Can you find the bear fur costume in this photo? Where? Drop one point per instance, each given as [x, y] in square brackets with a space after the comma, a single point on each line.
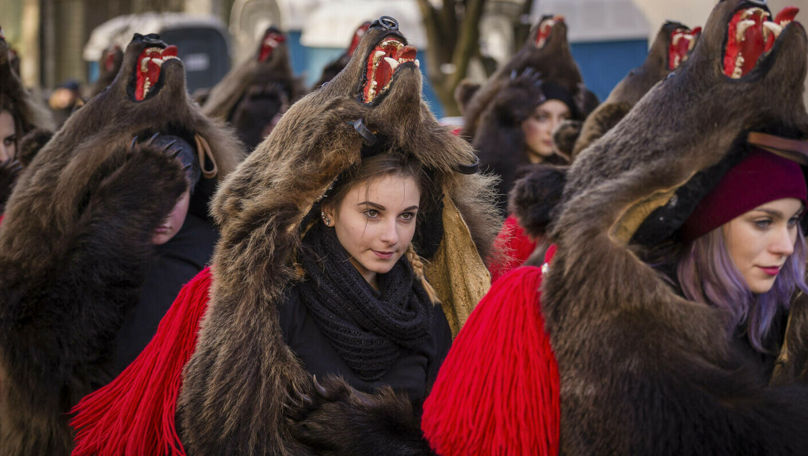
[547, 52]
[254, 94]
[243, 384]
[663, 57]
[535, 195]
[643, 370]
[75, 241]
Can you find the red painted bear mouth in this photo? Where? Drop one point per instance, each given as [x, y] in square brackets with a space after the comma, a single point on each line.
[751, 34]
[149, 67]
[382, 63]
[545, 27]
[272, 39]
[682, 42]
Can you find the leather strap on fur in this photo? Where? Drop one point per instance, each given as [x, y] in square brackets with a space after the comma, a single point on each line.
[207, 162]
[793, 149]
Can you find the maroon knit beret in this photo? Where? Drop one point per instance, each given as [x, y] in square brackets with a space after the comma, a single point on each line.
[759, 178]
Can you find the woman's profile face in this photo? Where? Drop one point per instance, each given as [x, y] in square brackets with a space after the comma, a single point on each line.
[8, 136]
[375, 222]
[173, 222]
[761, 240]
[538, 128]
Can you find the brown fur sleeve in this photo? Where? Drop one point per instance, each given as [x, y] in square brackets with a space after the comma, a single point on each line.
[59, 319]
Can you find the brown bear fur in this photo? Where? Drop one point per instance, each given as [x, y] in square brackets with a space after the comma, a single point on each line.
[243, 382]
[75, 240]
[628, 91]
[553, 61]
[643, 370]
[253, 93]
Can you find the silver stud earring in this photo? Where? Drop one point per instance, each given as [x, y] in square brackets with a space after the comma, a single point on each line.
[326, 219]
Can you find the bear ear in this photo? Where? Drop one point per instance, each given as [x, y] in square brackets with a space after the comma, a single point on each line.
[463, 93]
[536, 196]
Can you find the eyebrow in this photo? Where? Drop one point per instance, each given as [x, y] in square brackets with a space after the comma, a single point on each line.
[778, 214]
[382, 208]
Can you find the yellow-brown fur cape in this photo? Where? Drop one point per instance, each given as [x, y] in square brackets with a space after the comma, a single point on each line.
[242, 382]
[643, 370]
[74, 242]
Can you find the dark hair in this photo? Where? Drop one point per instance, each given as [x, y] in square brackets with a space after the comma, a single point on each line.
[7, 104]
[383, 164]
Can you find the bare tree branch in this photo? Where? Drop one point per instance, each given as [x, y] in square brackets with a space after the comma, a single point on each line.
[469, 42]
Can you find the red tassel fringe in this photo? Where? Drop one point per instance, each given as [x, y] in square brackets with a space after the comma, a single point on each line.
[497, 392]
[134, 414]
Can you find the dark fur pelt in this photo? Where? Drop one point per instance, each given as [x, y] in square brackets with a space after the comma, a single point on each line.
[243, 382]
[32, 143]
[365, 422]
[535, 197]
[553, 61]
[74, 243]
[644, 371]
[628, 91]
[255, 83]
[9, 170]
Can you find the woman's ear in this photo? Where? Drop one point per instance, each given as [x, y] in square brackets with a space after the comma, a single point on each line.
[327, 214]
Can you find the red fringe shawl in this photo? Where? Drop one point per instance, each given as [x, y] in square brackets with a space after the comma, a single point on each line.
[134, 414]
[497, 392]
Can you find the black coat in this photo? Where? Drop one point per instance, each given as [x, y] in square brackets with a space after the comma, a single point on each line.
[175, 263]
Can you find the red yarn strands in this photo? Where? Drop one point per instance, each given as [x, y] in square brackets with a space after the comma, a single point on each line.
[134, 414]
[497, 392]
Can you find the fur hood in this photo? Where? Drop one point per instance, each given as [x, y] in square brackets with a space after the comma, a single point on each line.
[93, 134]
[663, 57]
[242, 379]
[635, 358]
[269, 64]
[546, 52]
[76, 238]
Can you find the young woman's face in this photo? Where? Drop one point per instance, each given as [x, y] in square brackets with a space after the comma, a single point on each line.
[761, 240]
[538, 128]
[375, 222]
[8, 136]
[173, 222]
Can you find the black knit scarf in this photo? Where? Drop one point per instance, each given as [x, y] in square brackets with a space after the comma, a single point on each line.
[367, 328]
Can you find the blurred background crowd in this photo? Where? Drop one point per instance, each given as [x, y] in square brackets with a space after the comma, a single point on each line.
[60, 42]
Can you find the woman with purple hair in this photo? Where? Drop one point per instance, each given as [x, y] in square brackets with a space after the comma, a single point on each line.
[744, 251]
